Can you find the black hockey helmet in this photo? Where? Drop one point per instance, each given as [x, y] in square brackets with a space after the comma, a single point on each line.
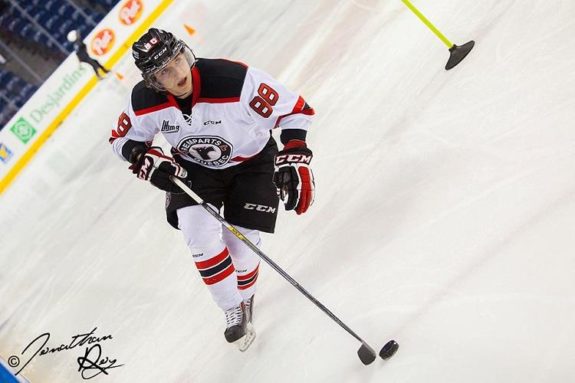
[154, 50]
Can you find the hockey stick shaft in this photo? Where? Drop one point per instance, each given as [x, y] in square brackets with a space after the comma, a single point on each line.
[270, 262]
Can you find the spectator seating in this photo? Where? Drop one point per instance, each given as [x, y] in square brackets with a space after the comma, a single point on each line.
[15, 88]
[57, 18]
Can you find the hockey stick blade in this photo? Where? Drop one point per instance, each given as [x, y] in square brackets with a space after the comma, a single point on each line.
[366, 354]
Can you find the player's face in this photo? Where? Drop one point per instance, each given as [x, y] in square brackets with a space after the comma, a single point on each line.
[176, 77]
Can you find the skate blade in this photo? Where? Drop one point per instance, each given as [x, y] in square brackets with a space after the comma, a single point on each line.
[245, 342]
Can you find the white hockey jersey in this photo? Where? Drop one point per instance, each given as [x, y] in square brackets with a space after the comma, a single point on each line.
[233, 109]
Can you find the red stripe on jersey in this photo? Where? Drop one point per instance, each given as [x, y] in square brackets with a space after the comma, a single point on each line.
[298, 108]
[196, 85]
[249, 275]
[242, 159]
[152, 109]
[172, 100]
[222, 100]
[114, 136]
[221, 276]
[213, 261]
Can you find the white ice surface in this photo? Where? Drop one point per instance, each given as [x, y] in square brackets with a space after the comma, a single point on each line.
[444, 217]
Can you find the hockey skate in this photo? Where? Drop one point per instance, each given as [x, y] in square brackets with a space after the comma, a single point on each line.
[239, 330]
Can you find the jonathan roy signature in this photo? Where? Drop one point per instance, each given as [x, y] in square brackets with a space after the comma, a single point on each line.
[90, 365]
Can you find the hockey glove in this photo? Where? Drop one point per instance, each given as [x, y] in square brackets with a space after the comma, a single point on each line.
[293, 177]
[156, 167]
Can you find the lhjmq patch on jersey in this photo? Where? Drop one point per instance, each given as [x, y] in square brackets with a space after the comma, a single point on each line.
[167, 128]
[208, 150]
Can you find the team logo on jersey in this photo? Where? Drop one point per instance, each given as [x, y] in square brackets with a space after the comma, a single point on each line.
[167, 128]
[208, 150]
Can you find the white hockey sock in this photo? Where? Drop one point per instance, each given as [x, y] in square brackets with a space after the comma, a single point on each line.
[245, 260]
[202, 234]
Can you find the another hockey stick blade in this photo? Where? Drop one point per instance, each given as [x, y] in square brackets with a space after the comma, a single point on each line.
[366, 354]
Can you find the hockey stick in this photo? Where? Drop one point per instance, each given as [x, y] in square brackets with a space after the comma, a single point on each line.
[366, 353]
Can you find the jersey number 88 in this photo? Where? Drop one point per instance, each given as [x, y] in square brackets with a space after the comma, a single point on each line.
[263, 103]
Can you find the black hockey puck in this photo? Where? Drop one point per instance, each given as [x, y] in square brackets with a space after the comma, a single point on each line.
[389, 349]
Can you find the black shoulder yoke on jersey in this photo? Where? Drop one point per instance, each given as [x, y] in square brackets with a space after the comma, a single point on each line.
[144, 98]
[221, 78]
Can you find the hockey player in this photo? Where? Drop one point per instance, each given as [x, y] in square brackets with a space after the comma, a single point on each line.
[217, 115]
[82, 54]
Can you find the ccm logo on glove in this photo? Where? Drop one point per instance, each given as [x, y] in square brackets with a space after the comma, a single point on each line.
[289, 158]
